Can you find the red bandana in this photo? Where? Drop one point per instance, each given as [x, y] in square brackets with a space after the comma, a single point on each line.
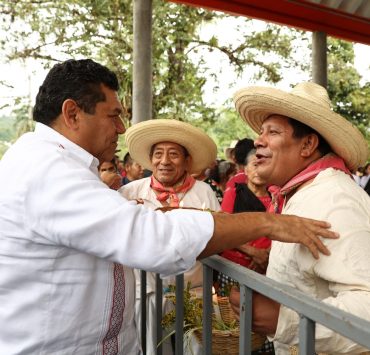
[171, 192]
[327, 161]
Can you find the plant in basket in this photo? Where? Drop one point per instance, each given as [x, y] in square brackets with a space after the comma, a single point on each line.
[225, 327]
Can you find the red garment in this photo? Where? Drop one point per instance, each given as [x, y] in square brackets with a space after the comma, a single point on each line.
[310, 172]
[240, 258]
[227, 204]
[264, 243]
[239, 178]
[170, 192]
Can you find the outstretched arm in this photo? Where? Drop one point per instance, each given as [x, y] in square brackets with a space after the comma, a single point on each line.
[232, 230]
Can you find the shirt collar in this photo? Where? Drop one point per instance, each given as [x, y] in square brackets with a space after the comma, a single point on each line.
[50, 134]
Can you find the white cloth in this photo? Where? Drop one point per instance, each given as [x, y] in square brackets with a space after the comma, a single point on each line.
[199, 196]
[341, 279]
[61, 231]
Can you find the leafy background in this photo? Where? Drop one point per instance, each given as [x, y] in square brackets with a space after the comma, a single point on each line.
[184, 60]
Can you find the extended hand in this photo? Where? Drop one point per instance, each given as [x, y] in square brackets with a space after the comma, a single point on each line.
[293, 229]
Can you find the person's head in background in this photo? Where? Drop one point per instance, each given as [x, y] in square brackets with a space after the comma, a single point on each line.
[366, 170]
[134, 171]
[204, 173]
[241, 150]
[108, 166]
[229, 151]
[109, 174]
[79, 99]
[254, 182]
[221, 173]
[119, 164]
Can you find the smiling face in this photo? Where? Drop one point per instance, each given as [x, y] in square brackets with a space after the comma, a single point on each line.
[279, 154]
[98, 132]
[169, 163]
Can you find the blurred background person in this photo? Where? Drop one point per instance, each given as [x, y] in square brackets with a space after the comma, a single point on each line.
[229, 151]
[109, 175]
[250, 196]
[134, 171]
[241, 150]
[205, 176]
[220, 175]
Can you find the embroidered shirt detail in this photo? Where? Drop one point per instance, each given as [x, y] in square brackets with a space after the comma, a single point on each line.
[110, 341]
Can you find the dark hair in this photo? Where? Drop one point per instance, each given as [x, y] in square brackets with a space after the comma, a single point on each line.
[250, 154]
[113, 161]
[186, 153]
[127, 160]
[79, 80]
[301, 130]
[222, 171]
[241, 150]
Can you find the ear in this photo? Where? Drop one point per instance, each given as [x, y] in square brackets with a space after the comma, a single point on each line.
[70, 112]
[309, 145]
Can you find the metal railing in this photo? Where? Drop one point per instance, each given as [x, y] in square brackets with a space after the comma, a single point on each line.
[310, 310]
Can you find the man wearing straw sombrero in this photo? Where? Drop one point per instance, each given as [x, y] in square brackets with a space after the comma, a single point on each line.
[308, 151]
[172, 150]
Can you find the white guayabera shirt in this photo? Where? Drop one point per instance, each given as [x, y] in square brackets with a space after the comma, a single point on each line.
[67, 248]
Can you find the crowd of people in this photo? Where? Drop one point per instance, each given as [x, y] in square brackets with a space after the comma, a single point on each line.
[78, 223]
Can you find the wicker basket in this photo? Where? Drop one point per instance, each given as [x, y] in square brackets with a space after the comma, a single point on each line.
[227, 341]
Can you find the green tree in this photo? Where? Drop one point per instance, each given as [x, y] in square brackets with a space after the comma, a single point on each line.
[55, 30]
[349, 97]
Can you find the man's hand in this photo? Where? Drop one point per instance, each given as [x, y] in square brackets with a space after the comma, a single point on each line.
[265, 312]
[293, 229]
[259, 256]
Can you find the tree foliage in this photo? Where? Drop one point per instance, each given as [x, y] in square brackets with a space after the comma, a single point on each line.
[52, 31]
[349, 97]
[55, 30]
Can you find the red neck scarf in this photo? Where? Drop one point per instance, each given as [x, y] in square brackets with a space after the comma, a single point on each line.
[327, 161]
[171, 192]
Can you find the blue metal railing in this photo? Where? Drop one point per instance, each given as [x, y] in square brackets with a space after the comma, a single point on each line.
[310, 310]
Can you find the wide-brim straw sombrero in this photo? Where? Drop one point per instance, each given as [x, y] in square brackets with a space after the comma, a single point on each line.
[142, 136]
[308, 103]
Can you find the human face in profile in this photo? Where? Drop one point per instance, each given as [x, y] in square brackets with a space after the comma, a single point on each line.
[169, 163]
[99, 131]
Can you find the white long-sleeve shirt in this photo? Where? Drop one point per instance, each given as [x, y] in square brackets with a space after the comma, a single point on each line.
[67, 248]
[341, 279]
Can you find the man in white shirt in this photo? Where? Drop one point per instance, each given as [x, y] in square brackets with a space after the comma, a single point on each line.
[309, 151]
[68, 243]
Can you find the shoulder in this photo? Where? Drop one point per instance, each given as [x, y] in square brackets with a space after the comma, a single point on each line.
[134, 189]
[332, 196]
[202, 188]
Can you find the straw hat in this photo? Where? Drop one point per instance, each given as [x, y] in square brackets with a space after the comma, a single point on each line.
[142, 136]
[308, 103]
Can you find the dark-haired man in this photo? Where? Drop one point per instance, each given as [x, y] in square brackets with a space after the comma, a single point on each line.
[68, 243]
[308, 151]
[134, 171]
